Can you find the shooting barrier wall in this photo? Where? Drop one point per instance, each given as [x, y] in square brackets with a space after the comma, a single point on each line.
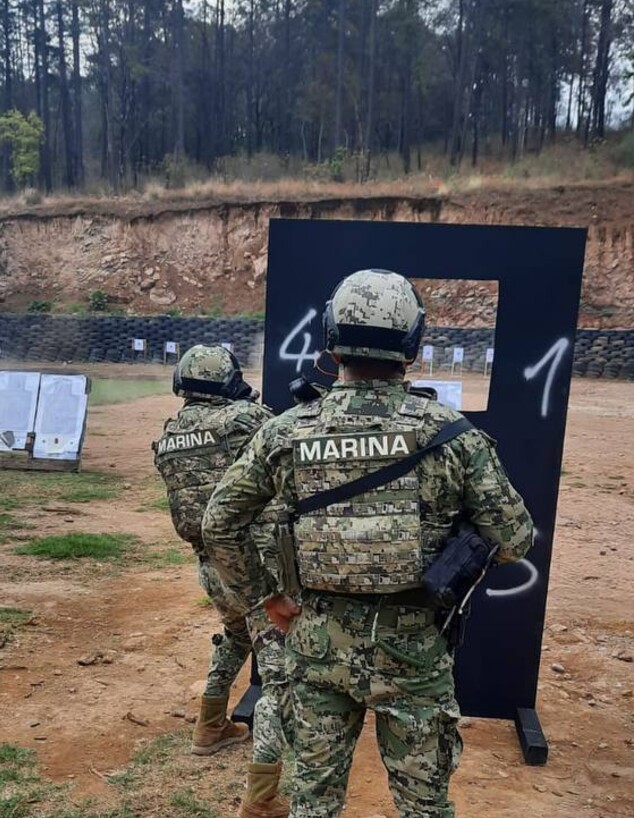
[56, 338]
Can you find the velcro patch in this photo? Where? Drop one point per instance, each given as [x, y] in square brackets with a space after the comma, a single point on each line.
[360, 446]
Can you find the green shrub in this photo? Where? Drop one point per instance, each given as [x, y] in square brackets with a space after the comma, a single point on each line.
[40, 306]
[98, 301]
[25, 135]
[337, 164]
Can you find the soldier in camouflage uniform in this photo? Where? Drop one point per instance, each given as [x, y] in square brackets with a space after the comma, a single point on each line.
[363, 637]
[219, 415]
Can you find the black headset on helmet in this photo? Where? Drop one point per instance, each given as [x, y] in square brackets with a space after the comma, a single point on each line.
[234, 388]
[355, 335]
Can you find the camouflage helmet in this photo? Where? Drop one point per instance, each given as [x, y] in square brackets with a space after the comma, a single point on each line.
[208, 370]
[374, 314]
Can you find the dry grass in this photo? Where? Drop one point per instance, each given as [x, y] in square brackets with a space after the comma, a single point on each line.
[162, 779]
[265, 179]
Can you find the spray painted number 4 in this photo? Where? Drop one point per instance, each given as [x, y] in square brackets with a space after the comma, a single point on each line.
[554, 355]
[305, 354]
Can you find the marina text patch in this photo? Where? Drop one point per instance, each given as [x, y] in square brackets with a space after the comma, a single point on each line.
[362, 446]
[187, 440]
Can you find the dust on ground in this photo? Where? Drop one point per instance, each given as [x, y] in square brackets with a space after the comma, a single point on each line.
[144, 631]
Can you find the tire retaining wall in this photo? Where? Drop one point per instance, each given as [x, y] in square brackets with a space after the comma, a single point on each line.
[598, 353]
[109, 338]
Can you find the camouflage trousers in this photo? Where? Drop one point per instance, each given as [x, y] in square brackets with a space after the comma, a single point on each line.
[232, 649]
[273, 716]
[344, 657]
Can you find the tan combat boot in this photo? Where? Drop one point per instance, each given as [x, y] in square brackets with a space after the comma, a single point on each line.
[262, 799]
[213, 730]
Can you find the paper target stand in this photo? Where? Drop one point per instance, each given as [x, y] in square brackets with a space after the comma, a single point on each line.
[42, 420]
[538, 271]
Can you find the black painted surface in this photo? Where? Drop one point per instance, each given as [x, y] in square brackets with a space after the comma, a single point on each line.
[539, 273]
[531, 737]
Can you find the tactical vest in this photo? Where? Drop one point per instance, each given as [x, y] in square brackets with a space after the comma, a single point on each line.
[191, 464]
[372, 542]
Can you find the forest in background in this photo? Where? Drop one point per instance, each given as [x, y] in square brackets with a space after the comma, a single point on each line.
[116, 92]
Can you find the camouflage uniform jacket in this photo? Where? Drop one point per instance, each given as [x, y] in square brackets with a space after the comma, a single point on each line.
[195, 450]
[462, 478]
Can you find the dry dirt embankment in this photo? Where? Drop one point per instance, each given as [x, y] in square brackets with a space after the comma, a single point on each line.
[201, 254]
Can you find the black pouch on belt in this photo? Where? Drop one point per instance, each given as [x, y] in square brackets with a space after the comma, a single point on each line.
[460, 566]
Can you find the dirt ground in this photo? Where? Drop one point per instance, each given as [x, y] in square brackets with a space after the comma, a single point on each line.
[151, 629]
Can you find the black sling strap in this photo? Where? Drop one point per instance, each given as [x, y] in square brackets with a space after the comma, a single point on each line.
[381, 476]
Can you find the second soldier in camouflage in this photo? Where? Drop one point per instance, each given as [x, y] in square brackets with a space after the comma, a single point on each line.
[219, 416]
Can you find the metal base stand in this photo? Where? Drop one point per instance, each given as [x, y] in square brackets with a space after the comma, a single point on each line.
[243, 711]
[531, 736]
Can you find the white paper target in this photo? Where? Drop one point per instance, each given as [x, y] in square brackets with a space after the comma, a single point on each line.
[227, 345]
[490, 352]
[170, 346]
[428, 353]
[61, 413]
[18, 402]
[449, 392]
[138, 344]
[458, 355]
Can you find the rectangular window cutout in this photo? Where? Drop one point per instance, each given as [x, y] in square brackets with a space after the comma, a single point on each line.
[457, 354]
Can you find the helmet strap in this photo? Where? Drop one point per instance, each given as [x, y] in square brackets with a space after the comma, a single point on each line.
[243, 391]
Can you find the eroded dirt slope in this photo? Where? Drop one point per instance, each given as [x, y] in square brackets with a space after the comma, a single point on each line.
[206, 255]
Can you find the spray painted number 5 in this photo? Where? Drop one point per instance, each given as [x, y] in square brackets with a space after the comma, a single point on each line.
[554, 355]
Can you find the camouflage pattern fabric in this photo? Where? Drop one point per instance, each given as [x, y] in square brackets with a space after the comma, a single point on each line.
[214, 364]
[463, 477]
[273, 716]
[211, 584]
[227, 657]
[344, 654]
[264, 538]
[365, 544]
[194, 451]
[207, 363]
[337, 669]
[377, 300]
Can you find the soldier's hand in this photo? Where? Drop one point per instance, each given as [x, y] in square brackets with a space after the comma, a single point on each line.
[281, 610]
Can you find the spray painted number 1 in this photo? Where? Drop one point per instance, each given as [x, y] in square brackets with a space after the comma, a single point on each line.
[555, 355]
